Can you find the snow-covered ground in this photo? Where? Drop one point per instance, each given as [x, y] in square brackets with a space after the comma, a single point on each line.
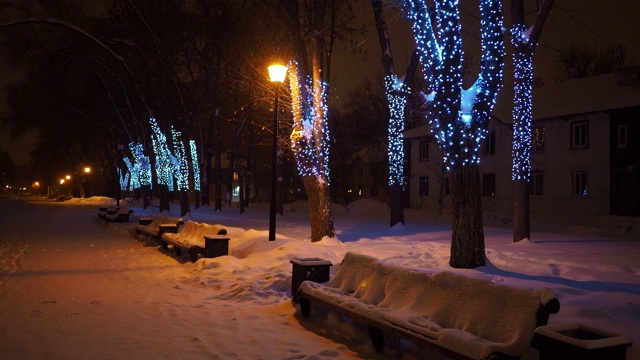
[75, 287]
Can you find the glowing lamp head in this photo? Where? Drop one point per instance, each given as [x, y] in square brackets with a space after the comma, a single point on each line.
[61, 181]
[68, 177]
[87, 169]
[277, 73]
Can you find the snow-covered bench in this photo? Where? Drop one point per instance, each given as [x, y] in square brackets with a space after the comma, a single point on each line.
[462, 317]
[156, 226]
[198, 239]
[120, 215]
[104, 211]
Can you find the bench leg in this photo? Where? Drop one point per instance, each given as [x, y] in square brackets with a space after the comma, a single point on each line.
[377, 338]
[305, 306]
[193, 254]
[177, 250]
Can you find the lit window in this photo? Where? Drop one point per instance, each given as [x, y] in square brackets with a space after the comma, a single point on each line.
[579, 135]
[580, 179]
[537, 138]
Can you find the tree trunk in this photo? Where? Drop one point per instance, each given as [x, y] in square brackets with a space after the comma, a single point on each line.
[521, 219]
[218, 166]
[396, 204]
[232, 160]
[241, 183]
[467, 237]
[184, 203]
[165, 198]
[247, 182]
[146, 196]
[321, 219]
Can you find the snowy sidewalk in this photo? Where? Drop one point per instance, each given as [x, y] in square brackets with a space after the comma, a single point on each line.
[88, 290]
[73, 287]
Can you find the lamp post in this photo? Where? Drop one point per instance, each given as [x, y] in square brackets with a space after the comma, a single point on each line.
[277, 75]
[87, 171]
[68, 177]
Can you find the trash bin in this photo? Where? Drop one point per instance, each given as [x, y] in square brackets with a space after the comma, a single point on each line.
[579, 342]
[313, 269]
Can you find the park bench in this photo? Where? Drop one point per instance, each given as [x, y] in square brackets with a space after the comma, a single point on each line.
[119, 215]
[198, 239]
[104, 211]
[459, 316]
[154, 227]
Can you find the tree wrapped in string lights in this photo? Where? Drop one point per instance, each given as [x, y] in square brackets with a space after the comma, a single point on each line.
[310, 144]
[193, 150]
[142, 170]
[459, 116]
[181, 170]
[524, 42]
[164, 164]
[397, 91]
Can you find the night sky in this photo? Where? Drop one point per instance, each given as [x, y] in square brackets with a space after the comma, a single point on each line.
[595, 22]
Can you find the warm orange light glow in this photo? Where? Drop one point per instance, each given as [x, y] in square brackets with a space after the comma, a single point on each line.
[61, 181]
[277, 73]
[68, 177]
[87, 169]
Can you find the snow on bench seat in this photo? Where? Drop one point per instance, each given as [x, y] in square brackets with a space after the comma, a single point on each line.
[198, 239]
[152, 229]
[461, 316]
[121, 215]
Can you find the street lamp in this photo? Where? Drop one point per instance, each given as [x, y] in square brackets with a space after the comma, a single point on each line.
[277, 74]
[68, 177]
[85, 179]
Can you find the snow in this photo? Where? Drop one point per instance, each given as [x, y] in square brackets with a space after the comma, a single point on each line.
[75, 287]
[441, 307]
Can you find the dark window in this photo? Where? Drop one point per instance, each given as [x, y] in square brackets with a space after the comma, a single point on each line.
[536, 184]
[489, 185]
[579, 135]
[424, 186]
[621, 184]
[490, 144]
[373, 192]
[424, 150]
[622, 136]
[537, 138]
[580, 179]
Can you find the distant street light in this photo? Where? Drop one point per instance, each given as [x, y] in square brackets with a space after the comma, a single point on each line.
[85, 179]
[277, 74]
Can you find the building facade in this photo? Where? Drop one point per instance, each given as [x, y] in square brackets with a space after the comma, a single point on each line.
[585, 155]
